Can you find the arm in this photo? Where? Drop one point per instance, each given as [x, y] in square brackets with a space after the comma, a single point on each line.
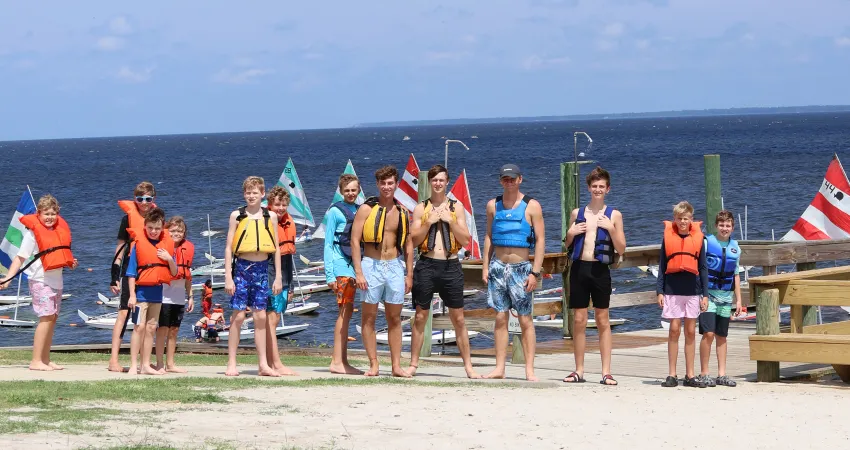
[229, 286]
[277, 286]
[618, 236]
[662, 267]
[187, 284]
[488, 246]
[408, 264]
[573, 229]
[26, 250]
[536, 213]
[418, 230]
[132, 267]
[120, 249]
[703, 272]
[459, 227]
[17, 262]
[328, 255]
[357, 234]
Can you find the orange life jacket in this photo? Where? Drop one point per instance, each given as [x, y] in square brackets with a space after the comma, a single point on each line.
[54, 244]
[151, 270]
[286, 234]
[183, 255]
[682, 252]
[135, 218]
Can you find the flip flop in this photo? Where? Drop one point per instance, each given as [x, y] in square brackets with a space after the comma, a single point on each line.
[576, 378]
[606, 378]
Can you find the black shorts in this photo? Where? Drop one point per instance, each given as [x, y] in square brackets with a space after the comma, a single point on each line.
[441, 276]
[125, 294]
[710, 322]
[171, 315]
[590, 280]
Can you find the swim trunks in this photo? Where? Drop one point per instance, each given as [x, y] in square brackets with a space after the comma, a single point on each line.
[45, 299]
[590, 279]
[252, 285]
[442, 276]
[346, 287]
[277, 303]
[385, 281]
[146, 313]
[171, 315]
[506, 287]
[678, 306]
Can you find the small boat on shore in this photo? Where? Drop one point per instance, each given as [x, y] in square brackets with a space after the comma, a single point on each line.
[247, 334]
[382, 336]
[559, 323]
[112, 302]
[103, 321]
[13, 299]
[301, 307]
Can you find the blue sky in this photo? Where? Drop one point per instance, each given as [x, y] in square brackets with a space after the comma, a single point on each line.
[101, 68]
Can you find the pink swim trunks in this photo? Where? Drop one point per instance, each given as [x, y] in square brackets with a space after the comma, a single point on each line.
[678, 306]
[45, 300]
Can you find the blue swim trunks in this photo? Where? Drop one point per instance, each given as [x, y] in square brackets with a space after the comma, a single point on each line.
[506, 287]
[385, 278]
[277, 303]
[252, 285]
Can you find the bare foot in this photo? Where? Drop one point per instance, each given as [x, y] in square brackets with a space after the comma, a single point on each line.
[472, 374]
[147, 370]
[40, 366]
[496, 374]
[345, 369]
[372, 372]
[55, 366]
[531, 377]
[231, 371]
[283, 370]
[267, 372]
[412, 370]
[117, 368]
[400, 373]
[351, 370]
[157, 366]
[175, 369]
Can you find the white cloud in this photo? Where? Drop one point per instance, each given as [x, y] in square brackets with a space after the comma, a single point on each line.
[120, 25]
[613, 30]
[134, 76]
[109, 43]
[537, 62]
[241, 77]
[842, 41]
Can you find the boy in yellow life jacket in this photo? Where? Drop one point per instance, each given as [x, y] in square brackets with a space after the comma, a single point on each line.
[251, 240]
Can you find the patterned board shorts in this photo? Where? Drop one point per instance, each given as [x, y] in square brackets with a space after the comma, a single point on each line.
[252, 285]
[346, 287]
[45, 299]
[506, 287]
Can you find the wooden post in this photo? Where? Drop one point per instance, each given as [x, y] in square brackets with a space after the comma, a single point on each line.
[712, 191]
[810, 313]
[569, 202]
[517, 355]
[767, 322]
[424, 188]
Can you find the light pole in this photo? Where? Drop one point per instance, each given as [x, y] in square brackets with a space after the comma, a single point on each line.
[446, 161]
[575, 159]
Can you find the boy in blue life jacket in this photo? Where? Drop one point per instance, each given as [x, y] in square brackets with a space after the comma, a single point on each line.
[723, 258]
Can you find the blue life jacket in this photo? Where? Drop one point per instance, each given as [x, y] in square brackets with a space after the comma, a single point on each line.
[603, 250]
[510, 229]
[343, 238]
[721, 263]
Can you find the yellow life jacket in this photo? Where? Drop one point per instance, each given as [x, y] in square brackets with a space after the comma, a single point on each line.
[249, 237]
[373, 229]
[449, 242]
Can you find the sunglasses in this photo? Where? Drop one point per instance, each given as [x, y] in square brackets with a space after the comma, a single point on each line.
[144, 199]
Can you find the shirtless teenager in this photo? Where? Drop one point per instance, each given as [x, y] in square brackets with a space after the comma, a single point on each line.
[380, 235]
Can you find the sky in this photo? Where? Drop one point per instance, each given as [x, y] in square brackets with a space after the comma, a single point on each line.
[107, 68]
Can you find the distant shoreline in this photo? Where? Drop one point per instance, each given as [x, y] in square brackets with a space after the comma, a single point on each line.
[613, 116]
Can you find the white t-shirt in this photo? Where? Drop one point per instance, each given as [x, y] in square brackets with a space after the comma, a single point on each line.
[174, 293]
[35, 272]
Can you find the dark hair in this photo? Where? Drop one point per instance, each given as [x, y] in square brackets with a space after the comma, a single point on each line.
[386, 172]
[155, 215]
[598, 174]
[436, 170]
[208, 283]
[346, 178]
[723, 216]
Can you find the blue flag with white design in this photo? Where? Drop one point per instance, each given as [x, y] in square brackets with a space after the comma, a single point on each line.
[15, 233]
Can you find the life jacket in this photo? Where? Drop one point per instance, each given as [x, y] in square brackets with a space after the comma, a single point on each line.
[249, 238]
[603, 249]
[183, 256]
[721, 262]
[373, 229]
[343, 238]
[135, 218]
[151, 270]
[54, 244]
[286, 234]
[682, 253]
[510, 228]
[449, 242]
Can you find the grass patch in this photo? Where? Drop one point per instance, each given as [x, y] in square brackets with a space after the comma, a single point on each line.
[20, 357]
[66, 420]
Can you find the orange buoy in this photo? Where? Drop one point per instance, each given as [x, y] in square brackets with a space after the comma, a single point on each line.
[89, 269]
[72, 324]
[352, 338]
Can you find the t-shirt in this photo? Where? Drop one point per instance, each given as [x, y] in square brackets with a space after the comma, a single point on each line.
[720, 296]
[35, 272]
[174, 293]
[144, 294]
[336, 264]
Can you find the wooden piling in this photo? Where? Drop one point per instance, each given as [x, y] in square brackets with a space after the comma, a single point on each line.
[424, 191]
[809, 313]
[569, 202]
[767, 323]
[713, 203]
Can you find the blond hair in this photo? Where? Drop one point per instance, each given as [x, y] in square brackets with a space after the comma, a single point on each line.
[46, 202]
[254, 182]
[347, 178]
[145, 187]
[681, 208]
[278, 193]
[177, 221]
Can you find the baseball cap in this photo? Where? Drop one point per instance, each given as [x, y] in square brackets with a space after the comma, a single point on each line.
[510, 170]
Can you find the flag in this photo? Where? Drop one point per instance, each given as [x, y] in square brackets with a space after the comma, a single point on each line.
[15, 233]
[349, 168]
[407, 193]
[828, 216]
[298, 208]
[460, 193]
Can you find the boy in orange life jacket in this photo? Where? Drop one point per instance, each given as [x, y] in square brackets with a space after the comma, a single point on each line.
[682, 288]
[44, 230]
[151, 265]
[206, 300]
[278, 199]
[175, 295]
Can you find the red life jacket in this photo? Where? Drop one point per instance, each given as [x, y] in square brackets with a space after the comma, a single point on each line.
[286, 234]
[183, 256]
[54, 244]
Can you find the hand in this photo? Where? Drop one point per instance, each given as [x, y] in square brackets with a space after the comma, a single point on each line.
[434, 216]
[361, 282]
[277, 287]
[661, 300]
[163, 255]
[229, 287]
[191, 306]
[131, 303]
[605, 222]
[74, 264]
[703, 304]
[4, 284]
[332, 286]
[739, 309]
[484, 275]
[289, 296]
[530, 283]
[115, 289]
[577, 229]
[408, 284]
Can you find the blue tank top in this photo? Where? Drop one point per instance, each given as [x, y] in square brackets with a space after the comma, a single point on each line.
[603, 249]
[510, 228]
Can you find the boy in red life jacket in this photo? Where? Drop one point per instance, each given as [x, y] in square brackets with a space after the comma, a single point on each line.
[151, 265]
[143, 199]
[278, 199]
[206, 300]
[682, 288]
[45, 230]
[175, 296]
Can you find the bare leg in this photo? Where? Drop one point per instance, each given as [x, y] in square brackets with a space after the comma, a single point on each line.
[147, 347]
[39, 343]
[673, 345]
[114, 365]
[45, 356]
[236, 319]
[690, 346]
[500, 339]
[393, 316]
[721, 356]
[272, 351]
[136, 342]
[368, 312]
[603, 326]
[459, 324]
[579, 339]
[339, 362]
[260, 322]
[161, 337]
[529, 342]
[418, 337]
[705, 352]
[170, 366]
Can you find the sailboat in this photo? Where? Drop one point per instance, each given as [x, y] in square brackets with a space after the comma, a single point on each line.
[9, 248]
[349, 168]
[407, 192]
[460, 193]
[299, 208]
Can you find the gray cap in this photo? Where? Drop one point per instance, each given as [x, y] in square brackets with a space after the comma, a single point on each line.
[510, 170]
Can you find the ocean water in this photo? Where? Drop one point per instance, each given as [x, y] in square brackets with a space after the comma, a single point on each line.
[773, 164]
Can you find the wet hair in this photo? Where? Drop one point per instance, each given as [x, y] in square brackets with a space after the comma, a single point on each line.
[145, 187]
[386, 172]
[177, 221]
[436, 170]
[155, 215]
[254, 182]
[599, 174]
[723, 216]
[277, 193]
[682, 207]
[46, 202]
[347, 178]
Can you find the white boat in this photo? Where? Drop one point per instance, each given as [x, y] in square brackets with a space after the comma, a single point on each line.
[846, 308]
[313, 265]
[311, 288]
[13, 299]
[406, 138]
[10, 307]
[309, 278]
[382, 337]
[215, 285]
[301, 307]
[209, 233]
[559, 323]
[247, 334]
[408, 310]
[9, 322]
[111, 302]
[104, 321]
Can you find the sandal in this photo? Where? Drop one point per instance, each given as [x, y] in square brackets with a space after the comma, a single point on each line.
[574, 378]
[605, 378]
[725, 381]
[671, 381]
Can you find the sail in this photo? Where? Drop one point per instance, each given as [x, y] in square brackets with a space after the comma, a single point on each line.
[15, 233]
[828, 216]
[407, 193]
[298, 208]
[460, 192]
[349, 168]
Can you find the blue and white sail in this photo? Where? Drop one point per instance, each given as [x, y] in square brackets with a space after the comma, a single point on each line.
[298, 208]
[349, 169]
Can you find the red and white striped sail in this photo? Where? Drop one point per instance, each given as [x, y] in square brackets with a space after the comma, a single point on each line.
[828, 216]
[407, 193]
[460, 193]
